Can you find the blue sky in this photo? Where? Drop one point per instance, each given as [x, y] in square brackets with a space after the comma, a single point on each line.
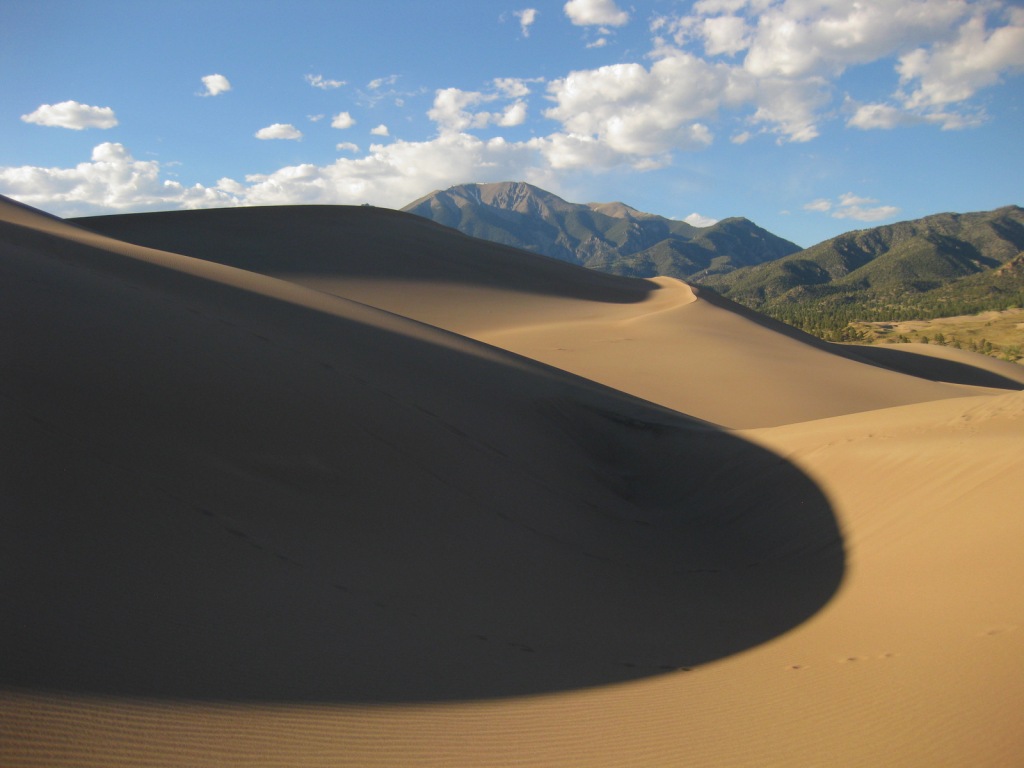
[810, 117]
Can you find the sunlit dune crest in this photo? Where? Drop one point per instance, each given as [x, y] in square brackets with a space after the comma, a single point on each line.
[321, 485]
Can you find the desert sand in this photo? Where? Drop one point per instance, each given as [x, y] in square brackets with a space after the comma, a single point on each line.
[337, 486]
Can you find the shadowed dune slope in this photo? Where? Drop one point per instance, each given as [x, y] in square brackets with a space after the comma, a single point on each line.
[250, 522]
[218, 485]
[655, 339]
[359, 242]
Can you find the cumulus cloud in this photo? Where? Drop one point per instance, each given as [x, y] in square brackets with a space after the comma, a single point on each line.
[111, 180]
[215, 84]
[569, 152]
[526, 17]
[393, 174]
[699, 220]
[389, 174]
[725, 35]
[514, 87]
[513, 114]
[953, 71]
[451, 109]
[342, 120]
[790, 109]
[324, 84]
[585, 13]
[71, 114]
[638, 111]
[798, 39]
[851, 206]
[285, 131]
[455, 110]
[744, 68]
[943, 52]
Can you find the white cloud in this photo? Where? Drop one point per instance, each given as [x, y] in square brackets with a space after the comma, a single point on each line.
[390, 175]
[725, 34]
[771, 66]
[953, 71]
[860, 213]
[821, 205]
[454, 109]
[699, 220]
[514, 87]
[382, 89]
[279, 131]
[943, 51]
[380, 82]
[526, 17]
[601, 42]
[851, 206]
[720, 6]
[885, 116]
[636, 111]
[451, 109]
[342, 120]
[850, 199]
[71, 114]
[565, 152]
[514, 114]
[790, 108]
[797, 39]
[324, 84]
[214, 85]
[585, 13]
[112, 180]
[230, 186]
[395, 174]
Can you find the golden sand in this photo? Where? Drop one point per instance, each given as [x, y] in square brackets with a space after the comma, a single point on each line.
[368, 492]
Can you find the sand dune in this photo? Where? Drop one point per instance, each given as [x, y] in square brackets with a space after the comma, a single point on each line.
[250, 520]
[709, 359]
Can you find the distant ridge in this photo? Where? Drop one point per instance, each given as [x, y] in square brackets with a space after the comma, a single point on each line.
[612, 237]
[941, 265]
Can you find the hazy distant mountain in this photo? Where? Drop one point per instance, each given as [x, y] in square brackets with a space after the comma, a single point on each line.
[946, 264]
[612, 237]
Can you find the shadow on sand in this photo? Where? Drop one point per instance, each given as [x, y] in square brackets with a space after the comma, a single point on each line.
[932, 368]
[339, 241]
[896, 359]
[208, 494]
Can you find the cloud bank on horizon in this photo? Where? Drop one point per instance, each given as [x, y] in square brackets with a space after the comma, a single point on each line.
[720, 73]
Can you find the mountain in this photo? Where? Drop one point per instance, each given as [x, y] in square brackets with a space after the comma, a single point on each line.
[941, 265]
[612, 237]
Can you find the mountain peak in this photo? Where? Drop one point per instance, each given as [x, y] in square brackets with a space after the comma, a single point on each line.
[613, 237]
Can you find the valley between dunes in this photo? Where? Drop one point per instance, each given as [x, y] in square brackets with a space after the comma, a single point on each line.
[325, 486]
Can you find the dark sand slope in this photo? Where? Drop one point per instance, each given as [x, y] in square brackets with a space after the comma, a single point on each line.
[246, 521]
[217, 485]
[654, 339]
